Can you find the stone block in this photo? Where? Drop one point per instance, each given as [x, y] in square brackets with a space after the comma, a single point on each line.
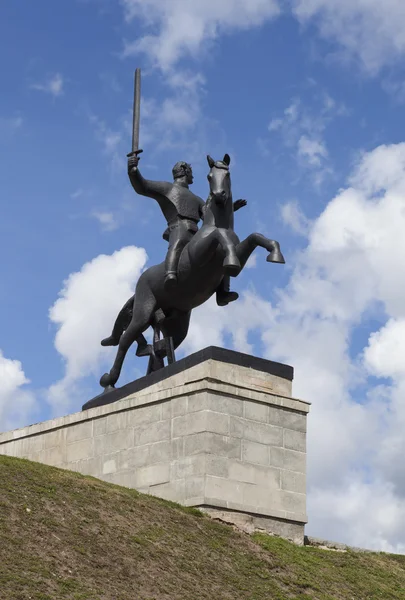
[252, 452]
[80, 431]
[256, 411]
[99, 426]
[113, 442]
[223, 489]
[290, 419]
[91, 466]
[158, 431]
[288, 459]
[194, 489]
[191, 466]
[8, 449]
[152, 475]
[110, 465]
[144, 414]
[177, 448]
[116, 422]
[293, 502]
[217, 465]
[173, 490]
[54, 457]
[217, 403]
[293, 482]
[263, 433]
[160, 452]
[212, 443]
[179, 406]
[189, 424]
[295, 440]
[80, 450]
[254, 496]
[217, 422]
[125, 478]
[132, 458]
[55, 439]
[257, 474]
[236, 426]
[32, 445]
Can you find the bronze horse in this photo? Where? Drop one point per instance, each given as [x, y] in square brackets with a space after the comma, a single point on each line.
[214, 250]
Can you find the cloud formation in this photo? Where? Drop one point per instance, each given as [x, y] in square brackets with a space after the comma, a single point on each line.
[53, 85]
[17, 404]
[370, 31]
[185, 28]
[87, 307]
[303, 132]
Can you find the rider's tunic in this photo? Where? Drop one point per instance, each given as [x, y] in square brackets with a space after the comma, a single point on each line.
[181, 208]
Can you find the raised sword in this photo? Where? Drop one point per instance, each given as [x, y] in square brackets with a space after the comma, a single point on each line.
[136, 114]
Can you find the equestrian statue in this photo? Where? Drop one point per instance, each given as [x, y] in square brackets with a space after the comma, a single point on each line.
[199, 261]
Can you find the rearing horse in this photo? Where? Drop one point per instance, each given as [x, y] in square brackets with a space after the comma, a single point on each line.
[214, 250]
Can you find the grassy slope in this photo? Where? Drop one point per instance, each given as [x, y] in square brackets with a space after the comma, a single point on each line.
[67, 536]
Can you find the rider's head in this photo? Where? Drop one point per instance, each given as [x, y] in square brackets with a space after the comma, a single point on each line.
[183, 170]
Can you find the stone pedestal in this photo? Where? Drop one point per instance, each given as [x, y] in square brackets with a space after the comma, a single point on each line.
[218, 430]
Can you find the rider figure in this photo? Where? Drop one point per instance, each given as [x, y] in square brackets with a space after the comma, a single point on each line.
[182, 210]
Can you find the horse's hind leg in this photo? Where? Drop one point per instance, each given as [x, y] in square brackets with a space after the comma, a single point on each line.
[121, 323]
[245, 248]
[141, 319]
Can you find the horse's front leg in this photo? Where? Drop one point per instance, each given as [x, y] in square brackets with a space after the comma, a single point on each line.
[245, 248]
[231, 262]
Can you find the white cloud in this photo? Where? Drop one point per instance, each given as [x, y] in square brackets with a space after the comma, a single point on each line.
[371, 31]
[17, 404]
[53, 85]
[84, 314]
[292, 215]
[170, 121]
[186, 28]
[303, 130]
[312, 150]
[107, 220]
[384, 355]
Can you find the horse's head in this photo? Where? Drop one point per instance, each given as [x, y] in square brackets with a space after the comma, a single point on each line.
[220, 180]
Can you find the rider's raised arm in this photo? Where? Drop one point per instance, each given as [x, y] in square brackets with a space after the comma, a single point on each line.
[143, 186]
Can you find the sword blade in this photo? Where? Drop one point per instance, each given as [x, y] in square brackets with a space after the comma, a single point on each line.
[137, 112]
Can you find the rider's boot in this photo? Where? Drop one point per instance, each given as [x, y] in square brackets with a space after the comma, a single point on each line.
[224, 295]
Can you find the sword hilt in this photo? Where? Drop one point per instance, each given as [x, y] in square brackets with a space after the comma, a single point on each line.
[134, 153]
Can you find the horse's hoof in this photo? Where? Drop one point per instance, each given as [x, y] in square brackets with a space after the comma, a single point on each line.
[276, 257]
[231, 265]
[110, 341]
[105, 381]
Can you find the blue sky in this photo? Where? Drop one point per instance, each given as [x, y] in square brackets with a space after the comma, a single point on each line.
[308, 99]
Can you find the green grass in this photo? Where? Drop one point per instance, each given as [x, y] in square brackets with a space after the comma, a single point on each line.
[83, 539]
